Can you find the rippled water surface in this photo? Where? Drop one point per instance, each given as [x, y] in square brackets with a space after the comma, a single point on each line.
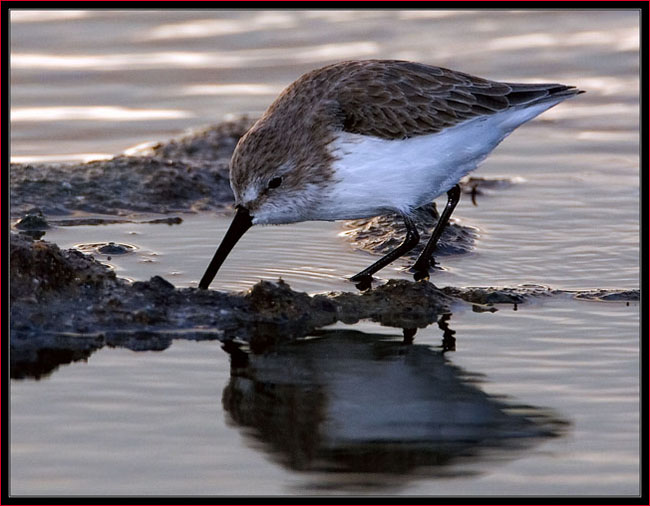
[538, 400]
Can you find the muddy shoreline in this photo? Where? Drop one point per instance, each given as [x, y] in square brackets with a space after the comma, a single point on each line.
[66, 305]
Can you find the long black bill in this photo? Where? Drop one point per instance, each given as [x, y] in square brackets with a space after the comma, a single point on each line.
[240, 224]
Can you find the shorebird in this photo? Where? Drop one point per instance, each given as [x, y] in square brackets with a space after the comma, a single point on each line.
[358, 139]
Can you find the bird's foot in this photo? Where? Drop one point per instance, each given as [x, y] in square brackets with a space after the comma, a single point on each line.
[362, 283]
[421, 269]
[421, 276]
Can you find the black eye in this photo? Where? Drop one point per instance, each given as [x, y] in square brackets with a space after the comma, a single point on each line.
[275, 182]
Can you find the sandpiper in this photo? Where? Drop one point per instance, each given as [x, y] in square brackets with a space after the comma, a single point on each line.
[362, 138]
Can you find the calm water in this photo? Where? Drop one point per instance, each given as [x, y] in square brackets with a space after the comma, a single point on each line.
[542, 400]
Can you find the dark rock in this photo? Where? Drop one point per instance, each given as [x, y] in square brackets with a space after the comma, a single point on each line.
[114, 249]
[36, 222]
[106, 248]
[382, 234]
[38, 267]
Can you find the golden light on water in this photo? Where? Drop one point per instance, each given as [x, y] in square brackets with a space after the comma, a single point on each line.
[265, 20]
[94, 113]
[231, 89]
[192, 59]
[35, 16]
[76, 157]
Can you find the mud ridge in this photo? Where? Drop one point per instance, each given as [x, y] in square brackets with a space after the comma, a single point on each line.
[65, 304]
[185, 174]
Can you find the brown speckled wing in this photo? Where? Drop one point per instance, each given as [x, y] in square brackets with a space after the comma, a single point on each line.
[398, 99]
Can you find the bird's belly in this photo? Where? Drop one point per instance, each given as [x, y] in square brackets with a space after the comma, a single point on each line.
[374, 176]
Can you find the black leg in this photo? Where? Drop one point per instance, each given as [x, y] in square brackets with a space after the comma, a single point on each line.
[364, 278]
[422, 264]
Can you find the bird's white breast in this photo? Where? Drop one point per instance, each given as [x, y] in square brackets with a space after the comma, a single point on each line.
[374, 176]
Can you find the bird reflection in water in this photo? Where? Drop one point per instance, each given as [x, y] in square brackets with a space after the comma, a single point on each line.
[374, 409]
[448, 339]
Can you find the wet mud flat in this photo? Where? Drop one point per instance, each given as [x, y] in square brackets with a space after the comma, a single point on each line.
[185, 174]
[65, 304]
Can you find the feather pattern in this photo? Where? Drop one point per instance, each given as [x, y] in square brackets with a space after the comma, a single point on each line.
[399, 100]
[303, 134]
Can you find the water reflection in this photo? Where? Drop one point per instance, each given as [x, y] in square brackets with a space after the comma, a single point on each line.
[38, 355]
[37, 361]
[370, 409]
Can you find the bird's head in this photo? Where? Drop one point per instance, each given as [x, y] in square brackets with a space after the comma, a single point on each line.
[277, 175]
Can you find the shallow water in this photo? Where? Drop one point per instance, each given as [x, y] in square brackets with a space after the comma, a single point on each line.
[178, 422]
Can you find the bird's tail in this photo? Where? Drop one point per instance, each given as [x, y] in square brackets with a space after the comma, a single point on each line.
[529, 94]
